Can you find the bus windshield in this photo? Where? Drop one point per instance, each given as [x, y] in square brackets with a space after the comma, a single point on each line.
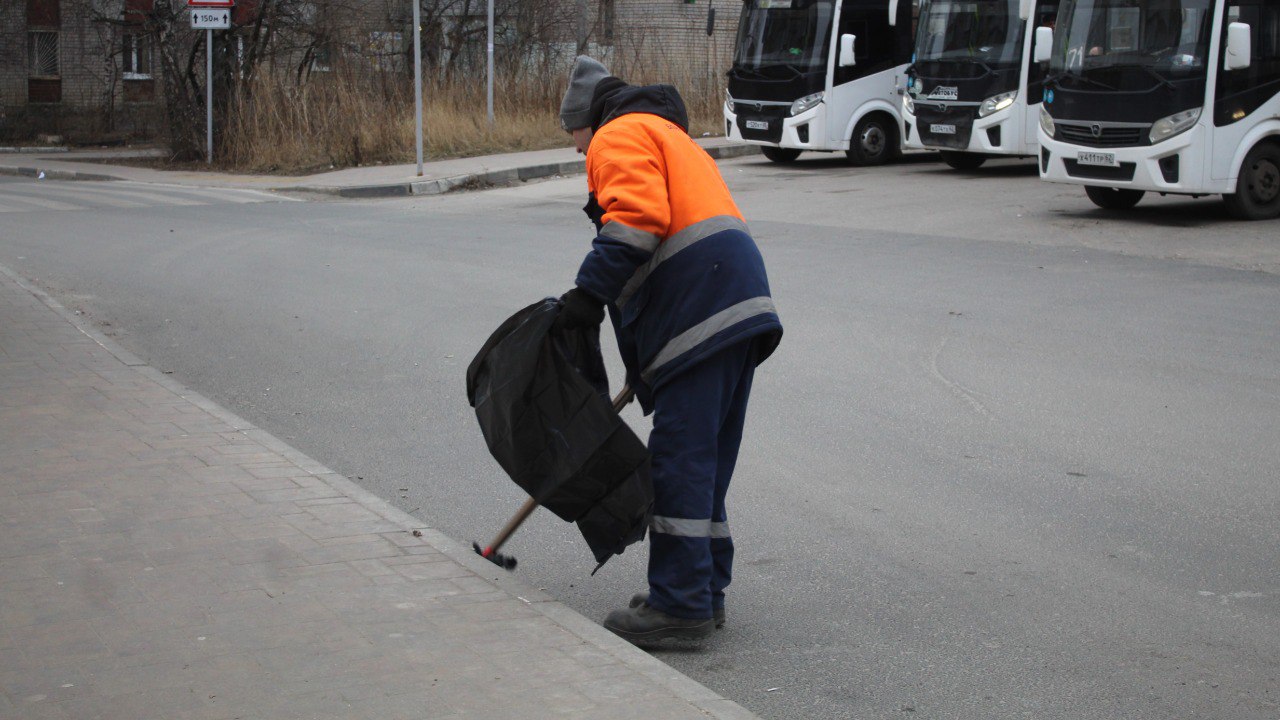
[1132, 42]
[985, 31]
[791, 34]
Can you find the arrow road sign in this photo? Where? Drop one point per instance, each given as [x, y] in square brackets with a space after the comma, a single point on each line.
[210, 18]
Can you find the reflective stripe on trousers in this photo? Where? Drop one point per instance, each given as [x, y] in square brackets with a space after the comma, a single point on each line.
[697, 429]
[689, 528]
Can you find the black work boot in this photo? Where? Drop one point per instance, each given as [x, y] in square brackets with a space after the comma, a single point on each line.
[643, 597]
[644, 624]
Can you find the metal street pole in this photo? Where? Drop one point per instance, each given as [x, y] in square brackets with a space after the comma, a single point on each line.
[417, 79]
[491, 63]
[208, 96]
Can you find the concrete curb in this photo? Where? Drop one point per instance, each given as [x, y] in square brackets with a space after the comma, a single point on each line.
[680, 685]
[48, 174]
[483, 180]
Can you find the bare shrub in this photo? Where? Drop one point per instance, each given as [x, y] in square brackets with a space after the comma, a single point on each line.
[356, 116]
[275, 124]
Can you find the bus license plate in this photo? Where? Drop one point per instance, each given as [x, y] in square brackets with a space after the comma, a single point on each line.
[943, 129]
[1098, 159]
[757, 124]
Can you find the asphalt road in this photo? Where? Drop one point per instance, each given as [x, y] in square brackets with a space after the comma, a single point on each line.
[1015, 458]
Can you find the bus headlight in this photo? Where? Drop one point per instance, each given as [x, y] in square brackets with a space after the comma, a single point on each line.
[909, 104]
[808, 102]
[1046, 122]
[1175, 124]
[728, 103]
[997, 103]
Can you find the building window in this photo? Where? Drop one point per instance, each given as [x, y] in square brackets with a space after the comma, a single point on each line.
[42, 54]
[136, 55]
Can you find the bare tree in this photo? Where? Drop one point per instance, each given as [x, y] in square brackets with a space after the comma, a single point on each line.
[166, 25]
[298, 37]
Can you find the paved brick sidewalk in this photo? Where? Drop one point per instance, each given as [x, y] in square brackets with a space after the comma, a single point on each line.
[161, 558]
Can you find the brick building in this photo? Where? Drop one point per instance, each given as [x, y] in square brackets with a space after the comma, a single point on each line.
[79, 68]
[87, 69]
[676, 29]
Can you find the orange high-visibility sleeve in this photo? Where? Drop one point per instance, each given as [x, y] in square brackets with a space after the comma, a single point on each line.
[627, 172]
[649, 175]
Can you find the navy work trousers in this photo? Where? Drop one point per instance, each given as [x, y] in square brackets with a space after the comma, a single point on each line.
[697, 428]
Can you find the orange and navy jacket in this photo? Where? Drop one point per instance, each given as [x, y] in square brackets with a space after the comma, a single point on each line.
[673, 258]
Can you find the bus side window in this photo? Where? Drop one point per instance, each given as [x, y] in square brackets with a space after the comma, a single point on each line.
[870, 25]
[1241, 92]
[1046, 16]
[1269, 36]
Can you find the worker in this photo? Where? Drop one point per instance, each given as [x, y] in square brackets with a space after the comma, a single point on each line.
[686, 291]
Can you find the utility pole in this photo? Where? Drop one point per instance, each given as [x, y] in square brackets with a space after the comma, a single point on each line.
[582, 27]
[491, 64]
[417, 79]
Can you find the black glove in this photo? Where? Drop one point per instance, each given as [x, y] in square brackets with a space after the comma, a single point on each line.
[594, 212]
[579, 309]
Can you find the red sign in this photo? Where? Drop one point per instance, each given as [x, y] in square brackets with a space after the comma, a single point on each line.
[211, 3]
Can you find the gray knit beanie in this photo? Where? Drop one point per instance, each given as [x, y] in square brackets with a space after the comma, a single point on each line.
[575, 109]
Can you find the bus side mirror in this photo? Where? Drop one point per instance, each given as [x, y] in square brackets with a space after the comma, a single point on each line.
[711, 20]
[1044, 44]
[1025, 7]
[847, 58]
[893, 12]
[1239, 47]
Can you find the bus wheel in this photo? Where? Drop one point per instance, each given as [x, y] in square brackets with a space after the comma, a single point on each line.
[874, 141]
[1113, 198]
[1257, 195]
[780, 155]
[962, 160]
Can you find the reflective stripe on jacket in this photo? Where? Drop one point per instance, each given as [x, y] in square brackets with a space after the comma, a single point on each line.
[673, 258]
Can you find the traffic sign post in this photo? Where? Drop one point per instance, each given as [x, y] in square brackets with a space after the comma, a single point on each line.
[209, 15]
[208, 97]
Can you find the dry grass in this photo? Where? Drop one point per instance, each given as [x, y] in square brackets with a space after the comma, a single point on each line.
[347, 118]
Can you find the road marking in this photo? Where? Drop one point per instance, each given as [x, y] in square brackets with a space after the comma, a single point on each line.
[32, 204]
[231, 194]
[40, 195]
[148, 198]
[80, 196]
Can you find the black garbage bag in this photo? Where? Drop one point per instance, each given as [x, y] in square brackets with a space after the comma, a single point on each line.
[541, 397]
